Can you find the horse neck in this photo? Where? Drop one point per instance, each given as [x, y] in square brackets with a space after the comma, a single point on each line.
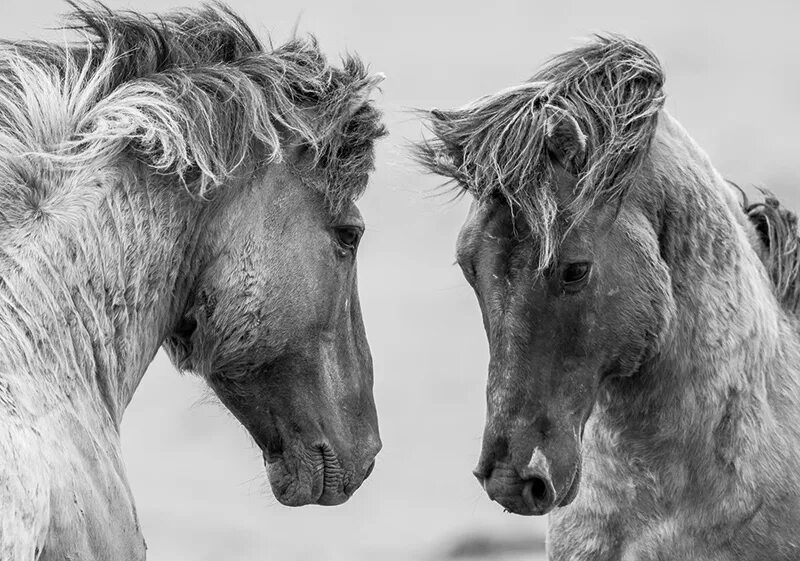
[91, 295]
[713, 391]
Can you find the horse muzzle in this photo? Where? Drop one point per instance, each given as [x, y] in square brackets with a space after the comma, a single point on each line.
[533, 489]
[315, 475]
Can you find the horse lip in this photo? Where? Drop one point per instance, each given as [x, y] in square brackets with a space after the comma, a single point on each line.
[331, 493]
[271, 457]
[310, 493]
[527, 510]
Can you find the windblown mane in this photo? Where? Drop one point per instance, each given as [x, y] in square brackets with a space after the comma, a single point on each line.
[192, 94]
[780, 246]
[496, 146]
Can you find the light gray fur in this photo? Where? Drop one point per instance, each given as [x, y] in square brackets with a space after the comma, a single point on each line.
[109, 150]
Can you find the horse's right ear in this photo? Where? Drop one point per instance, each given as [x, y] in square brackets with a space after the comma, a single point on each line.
[565, 140]
[362, 95]
[440, 126]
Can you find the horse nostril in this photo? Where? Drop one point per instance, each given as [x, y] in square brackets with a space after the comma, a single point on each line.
[369, 469]
[538, 489]
[538, 493]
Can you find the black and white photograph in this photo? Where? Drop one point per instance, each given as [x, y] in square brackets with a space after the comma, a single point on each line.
[350, 280]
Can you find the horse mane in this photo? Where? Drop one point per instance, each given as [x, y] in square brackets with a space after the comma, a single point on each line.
[193, 94]
[779, 249]
[496, 145]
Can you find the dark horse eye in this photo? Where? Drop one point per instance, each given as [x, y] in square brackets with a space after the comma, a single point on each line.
[574, 273]
[348, 236]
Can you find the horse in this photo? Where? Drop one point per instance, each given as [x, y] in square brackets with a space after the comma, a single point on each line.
[644, 375]
[169, 181]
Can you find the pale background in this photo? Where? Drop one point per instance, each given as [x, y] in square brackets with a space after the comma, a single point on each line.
[733, 80]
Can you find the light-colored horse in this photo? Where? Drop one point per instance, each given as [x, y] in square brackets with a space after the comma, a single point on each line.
[170, 181]
[645, 363]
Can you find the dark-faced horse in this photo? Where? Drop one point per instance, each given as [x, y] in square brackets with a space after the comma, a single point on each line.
[170, 181]
[644, 375]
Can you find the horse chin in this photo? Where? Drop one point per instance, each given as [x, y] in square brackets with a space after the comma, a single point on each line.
[307, 478]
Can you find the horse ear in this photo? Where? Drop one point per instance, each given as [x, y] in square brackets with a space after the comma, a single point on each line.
[439, 115]
[565, 140]
[364, 92]
[452, 151]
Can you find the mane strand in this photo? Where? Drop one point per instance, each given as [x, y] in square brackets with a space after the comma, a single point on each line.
[193, 94]
[780, 247]
[497, 145]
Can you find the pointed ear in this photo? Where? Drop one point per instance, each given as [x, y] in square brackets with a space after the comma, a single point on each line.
[363, 93]
[565, 140]
[439, 125]
[439, 115]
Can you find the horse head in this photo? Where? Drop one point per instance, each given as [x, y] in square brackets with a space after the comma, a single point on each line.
[273, 323]
[271, 316]
[561, 254]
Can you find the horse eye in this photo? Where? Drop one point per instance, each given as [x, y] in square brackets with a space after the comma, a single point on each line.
[348, 236]
[575, 272]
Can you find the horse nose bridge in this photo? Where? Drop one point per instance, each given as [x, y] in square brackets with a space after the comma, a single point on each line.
[508, 438]
[516, 392]
[523, 372]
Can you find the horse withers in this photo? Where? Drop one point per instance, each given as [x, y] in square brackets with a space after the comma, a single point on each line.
[644, 375]
[171, 181]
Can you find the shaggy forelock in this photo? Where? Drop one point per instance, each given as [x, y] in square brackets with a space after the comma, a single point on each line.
[192, 94]
[496, 146]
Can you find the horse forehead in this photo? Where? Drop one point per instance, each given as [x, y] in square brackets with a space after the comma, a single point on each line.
[487, 219]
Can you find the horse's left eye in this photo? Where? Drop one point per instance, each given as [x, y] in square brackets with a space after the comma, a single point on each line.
[348, 236]
[574, 273]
